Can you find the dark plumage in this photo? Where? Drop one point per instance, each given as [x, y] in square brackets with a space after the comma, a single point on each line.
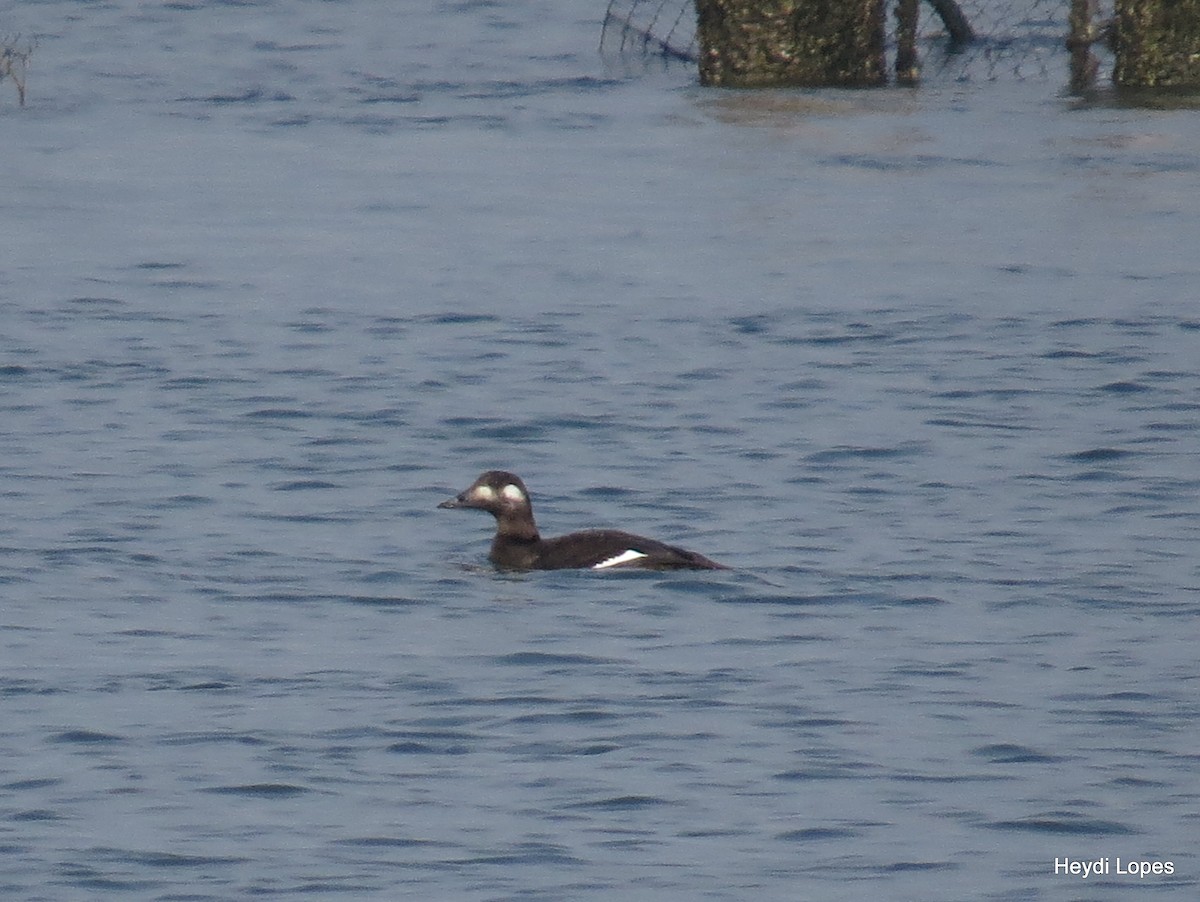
[518, 546]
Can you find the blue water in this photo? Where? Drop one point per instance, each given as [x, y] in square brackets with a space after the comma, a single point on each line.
[924, 367]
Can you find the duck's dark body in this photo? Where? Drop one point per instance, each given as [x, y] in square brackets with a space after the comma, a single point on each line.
[518, 546]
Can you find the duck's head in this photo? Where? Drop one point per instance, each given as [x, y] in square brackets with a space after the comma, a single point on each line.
[496, 491]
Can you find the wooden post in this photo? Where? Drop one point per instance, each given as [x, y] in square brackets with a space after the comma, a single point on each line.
[908, 67]
[1157, 43]
[768, 43]
[956, 23]
[1082, 33]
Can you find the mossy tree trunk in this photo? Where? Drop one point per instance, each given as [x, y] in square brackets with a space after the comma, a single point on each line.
[1157, 43]
[768, 43]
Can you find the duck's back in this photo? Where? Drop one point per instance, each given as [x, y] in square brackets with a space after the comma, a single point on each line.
[605, 549]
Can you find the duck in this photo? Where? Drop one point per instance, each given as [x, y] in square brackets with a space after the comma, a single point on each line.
[519, 546]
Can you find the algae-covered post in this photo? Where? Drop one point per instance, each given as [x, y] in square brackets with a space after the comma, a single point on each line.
[1157, 43]
[771, 43]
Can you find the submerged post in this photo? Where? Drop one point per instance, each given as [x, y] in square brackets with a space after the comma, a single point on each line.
[1157, 43]
[772, 43]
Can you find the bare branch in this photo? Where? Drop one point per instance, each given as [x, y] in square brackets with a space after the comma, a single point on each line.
[14, 61]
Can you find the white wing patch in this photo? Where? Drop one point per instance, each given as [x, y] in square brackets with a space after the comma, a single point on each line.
[623, 558]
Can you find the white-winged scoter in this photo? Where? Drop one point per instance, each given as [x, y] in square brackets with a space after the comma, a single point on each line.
[518, 546]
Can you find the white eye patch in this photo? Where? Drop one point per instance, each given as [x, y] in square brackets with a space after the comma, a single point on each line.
[513, 492]
[483, 493]
[623, 558]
